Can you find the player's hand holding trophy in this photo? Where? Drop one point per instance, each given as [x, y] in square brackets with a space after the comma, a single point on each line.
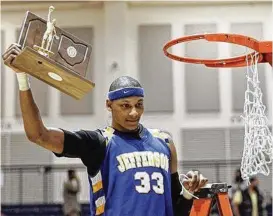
[52, 55]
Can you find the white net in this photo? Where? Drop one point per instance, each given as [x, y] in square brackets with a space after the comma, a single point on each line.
[258, 145]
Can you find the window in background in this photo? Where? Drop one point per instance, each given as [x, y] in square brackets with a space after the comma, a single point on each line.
[201, 83]
[254, 30]
[69, 105]
[155, 70]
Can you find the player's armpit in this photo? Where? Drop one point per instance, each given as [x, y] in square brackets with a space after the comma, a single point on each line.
[173, 162]
[89, 146]
[51, 139]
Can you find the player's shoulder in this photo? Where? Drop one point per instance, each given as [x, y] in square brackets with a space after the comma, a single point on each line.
[161, 134]
[107, 133]
[89, 134]
[85, 131]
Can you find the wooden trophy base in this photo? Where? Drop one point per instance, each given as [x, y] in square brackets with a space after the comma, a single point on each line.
[52, 73]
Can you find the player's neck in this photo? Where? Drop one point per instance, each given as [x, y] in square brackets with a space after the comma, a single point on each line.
[119, 128]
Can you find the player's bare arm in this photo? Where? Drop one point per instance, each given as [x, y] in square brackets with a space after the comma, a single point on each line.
[195, 179]
[49, 138]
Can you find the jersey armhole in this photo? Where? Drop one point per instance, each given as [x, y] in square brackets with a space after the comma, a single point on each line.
[107, 133]
[165, 136]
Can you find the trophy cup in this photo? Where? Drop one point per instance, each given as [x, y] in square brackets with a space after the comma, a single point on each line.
[54, 56]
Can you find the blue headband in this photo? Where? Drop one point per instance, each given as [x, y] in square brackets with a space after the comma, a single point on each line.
[125, 92]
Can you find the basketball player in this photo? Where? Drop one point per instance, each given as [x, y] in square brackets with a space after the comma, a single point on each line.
[132, 170]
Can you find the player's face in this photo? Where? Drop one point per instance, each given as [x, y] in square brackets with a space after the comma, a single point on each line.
[126, 113]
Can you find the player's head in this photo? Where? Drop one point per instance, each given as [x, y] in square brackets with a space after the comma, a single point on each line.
[125, 102]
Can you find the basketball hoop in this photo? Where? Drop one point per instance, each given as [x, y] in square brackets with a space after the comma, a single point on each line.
[264, 48]
[258, 140]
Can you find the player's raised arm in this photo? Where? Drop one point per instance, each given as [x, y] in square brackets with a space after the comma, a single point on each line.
[51, 139]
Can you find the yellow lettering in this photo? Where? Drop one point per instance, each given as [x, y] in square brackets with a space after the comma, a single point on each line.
[132, 160]
[157, 159]
[151, 159]
[162, 161]
[144, 159]
[121, 166]
[138, 159]
[126, 161]
[167, 164]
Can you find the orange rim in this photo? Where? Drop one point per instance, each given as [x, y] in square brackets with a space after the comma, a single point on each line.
[264, 48]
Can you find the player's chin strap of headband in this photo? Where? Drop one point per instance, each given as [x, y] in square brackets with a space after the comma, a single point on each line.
[125, 92]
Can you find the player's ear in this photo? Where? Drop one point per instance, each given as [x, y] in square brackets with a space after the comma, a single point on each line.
[108, 105]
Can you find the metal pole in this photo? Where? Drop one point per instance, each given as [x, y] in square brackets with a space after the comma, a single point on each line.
[217, 172]
[21, 189]
[44, 187]
[47, 170]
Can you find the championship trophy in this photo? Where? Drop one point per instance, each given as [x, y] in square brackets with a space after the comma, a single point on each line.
[54, 56]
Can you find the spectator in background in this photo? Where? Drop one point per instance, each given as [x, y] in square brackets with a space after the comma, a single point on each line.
[238, 183]
[71, 190]
[249, 202]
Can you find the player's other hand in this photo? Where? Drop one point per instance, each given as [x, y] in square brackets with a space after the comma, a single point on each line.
[194, 181]
[10, 54]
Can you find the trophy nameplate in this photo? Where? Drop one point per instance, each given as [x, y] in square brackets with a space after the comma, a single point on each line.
[54, 56]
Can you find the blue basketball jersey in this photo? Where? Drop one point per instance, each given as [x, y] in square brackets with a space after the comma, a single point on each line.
[135, 178]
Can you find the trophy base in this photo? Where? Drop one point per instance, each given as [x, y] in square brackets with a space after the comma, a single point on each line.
[52, 73]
